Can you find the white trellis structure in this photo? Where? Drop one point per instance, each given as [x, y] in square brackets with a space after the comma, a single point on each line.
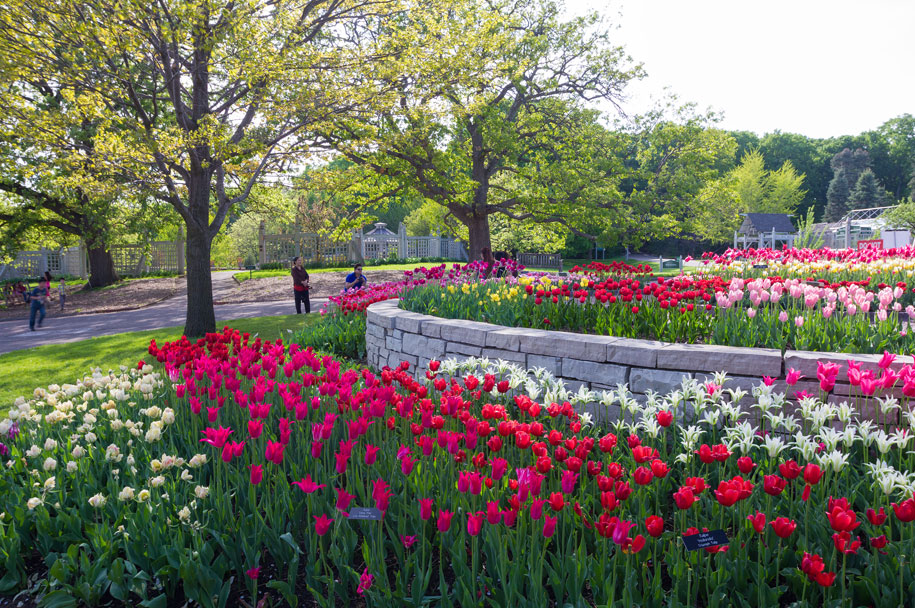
[378, 244]
[129, 260]
[862, 225]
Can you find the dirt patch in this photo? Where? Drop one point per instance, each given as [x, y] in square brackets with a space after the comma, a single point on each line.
[323, 285]
[125, 295]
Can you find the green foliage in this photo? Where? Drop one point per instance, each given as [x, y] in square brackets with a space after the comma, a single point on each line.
[902, 216]
[806, 237]
[339, 332]
[749, 188]
[837, 197]
[868, 192]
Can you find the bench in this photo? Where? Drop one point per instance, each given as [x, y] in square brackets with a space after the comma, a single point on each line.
[552, 261]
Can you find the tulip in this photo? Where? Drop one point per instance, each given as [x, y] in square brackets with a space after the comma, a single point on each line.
[654, 525]
[371, 454]
[684, 497]
[879, 542]
[408, 541]
[549, 525]
[307, 485]
[257, 473]
[812, 473]
[783, 527]
[790, 469]
[253, 573]
[773, 485]
[843, 543]
[642, 476]
[322, 524]
[665, 418]
[425, 508]
[745, 464]
[493, 514]
[659, 468]
[557, 502]
[876, 517]
[343, 499]
[905, 511]
[758, 521]
[365, 582]
[474, 523]
[444, 520]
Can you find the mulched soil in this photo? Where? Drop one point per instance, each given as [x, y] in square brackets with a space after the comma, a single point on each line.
[127, 295]
[323, 285]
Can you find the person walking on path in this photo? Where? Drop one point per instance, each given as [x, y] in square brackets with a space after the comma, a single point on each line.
[62, 290]
[355, 279]
[38, 296]
[300, 285]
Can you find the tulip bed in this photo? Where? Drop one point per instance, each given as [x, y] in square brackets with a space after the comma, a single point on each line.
[873, 266]
[770, 312]
[232, 472]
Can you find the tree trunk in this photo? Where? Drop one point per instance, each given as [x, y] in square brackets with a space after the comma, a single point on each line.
[478, 227]
[101, 267]
[201, 318]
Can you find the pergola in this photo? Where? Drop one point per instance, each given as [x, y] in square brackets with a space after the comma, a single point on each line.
[764, 230]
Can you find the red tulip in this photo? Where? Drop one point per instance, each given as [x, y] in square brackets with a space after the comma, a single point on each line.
[905, 511]
[642, 476]
[684, 497]
[812, 473]
[758, 521]
[549, 526]
[253, 573]
[634, 545]
[773, 485]
[783, 527]
[879, 542]
[654, 525]
[642, 454]
[842, 519]
[659, 468]
[257, 473]
[425, 508]
[307, 485]
[557, 502]
[474, 523]
[843, 543]
[876, 517]
[322, 524]
[789, 470]
[665, 418]
[697, 484]
[745, 464]
[444, 520]
[371, 454]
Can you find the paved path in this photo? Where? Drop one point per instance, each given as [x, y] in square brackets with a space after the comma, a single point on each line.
[15, 335]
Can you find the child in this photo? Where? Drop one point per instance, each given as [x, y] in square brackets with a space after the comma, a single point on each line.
[62, 290]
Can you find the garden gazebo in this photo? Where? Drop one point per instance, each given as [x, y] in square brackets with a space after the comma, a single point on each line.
[764, 230]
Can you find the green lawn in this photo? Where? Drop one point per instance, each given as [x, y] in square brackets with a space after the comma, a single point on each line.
[23, 370]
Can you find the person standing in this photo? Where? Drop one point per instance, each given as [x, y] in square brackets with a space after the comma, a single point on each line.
[62, 291]
[38, 297]
[300, 285]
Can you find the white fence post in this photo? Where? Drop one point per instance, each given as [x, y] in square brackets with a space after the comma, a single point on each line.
[402, 244]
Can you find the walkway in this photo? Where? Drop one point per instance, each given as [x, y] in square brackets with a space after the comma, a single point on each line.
[170, 313]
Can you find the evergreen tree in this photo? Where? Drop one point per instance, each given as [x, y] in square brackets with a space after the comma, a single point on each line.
[837, 197]
[853, 163]
[868, 192]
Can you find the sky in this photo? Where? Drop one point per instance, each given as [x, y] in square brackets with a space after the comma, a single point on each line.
[814, 67]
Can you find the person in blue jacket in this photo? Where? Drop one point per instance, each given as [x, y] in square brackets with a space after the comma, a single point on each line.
[37, 296]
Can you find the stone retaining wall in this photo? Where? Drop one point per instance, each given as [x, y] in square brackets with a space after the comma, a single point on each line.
[597, 362]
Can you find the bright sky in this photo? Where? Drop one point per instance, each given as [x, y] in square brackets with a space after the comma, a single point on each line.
[817, 67]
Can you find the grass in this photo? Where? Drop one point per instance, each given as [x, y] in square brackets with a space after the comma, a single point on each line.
[23, 370]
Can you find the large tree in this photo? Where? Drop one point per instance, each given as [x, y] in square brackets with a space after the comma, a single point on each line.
[196, 100]
[497, 127]
[867, 193]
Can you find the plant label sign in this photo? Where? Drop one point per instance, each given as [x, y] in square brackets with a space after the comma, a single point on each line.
[370, 513]
[703, 540]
